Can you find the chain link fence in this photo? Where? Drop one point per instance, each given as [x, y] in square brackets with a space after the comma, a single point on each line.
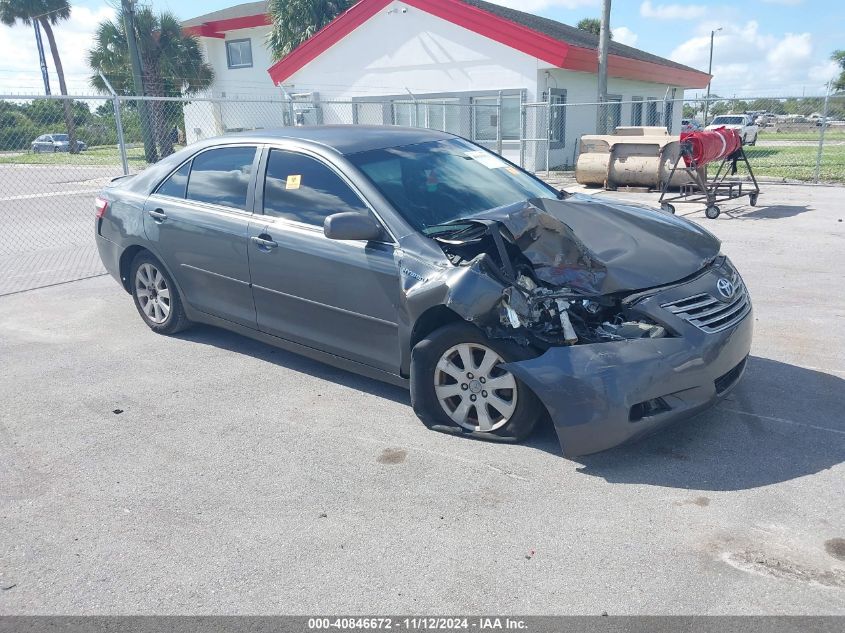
[49, 175]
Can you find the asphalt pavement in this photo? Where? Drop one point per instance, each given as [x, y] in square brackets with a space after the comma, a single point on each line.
[207, 473]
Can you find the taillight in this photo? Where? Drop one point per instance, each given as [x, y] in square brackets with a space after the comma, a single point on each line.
[101, 206]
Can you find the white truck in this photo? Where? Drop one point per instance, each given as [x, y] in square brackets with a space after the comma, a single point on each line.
[742, 123]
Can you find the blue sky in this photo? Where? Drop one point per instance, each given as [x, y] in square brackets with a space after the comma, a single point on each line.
[766, 47]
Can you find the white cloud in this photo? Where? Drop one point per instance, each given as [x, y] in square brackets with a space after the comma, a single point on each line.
[21, 72]
[672, 11]
[624, 35]
[532, 6]
[747, 61]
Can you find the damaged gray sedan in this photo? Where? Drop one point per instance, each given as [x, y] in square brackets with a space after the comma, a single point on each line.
[421, 259]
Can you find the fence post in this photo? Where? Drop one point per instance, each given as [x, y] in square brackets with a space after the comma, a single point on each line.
[548, 127]
[118, 122]
[499, 123]
[817, 172]
[522, 118]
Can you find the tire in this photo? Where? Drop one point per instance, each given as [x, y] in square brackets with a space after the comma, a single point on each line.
[519, 407]
[163, 313]
[753, 141]
[752, 199]
[668, 208]
[712, 212]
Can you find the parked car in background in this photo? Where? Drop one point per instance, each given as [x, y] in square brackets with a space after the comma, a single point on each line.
[418, 258]
[55, 143]
[742, 123]
[690, 125]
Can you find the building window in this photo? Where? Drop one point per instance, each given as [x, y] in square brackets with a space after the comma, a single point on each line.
[435, 114]
[239, 53]
[557, 116]
[669, 110]
[651, 113]
[611, 114]
[636, 111]
[485, 113]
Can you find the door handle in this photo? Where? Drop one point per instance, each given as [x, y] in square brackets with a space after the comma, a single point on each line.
[263, 241]
[158, 215]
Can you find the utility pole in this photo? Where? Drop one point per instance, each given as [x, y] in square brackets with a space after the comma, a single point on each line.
[44, 74]
[128, 8]
[709, 72]
[604, 43]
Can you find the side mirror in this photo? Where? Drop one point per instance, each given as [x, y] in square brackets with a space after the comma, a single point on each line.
[351, 225]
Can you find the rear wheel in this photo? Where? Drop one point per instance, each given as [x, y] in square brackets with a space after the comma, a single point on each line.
[712, 212]
[156, 297]
[458, 385]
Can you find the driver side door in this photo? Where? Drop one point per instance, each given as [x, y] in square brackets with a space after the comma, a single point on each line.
[340, 297]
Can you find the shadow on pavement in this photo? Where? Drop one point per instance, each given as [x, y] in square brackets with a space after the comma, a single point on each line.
[208, 335]
[780, 423]
[774, 212]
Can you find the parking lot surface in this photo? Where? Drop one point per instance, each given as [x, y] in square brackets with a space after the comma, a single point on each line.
[208, 473]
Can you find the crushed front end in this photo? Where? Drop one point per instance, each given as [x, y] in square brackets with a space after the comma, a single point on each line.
[635, 319]
[600, 395]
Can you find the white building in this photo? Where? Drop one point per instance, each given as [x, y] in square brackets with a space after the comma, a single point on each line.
[439, 63]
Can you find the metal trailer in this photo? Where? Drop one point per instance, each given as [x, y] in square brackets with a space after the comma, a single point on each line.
[710, 191]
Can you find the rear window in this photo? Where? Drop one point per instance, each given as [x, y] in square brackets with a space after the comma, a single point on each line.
[221, 176]
[728, 120]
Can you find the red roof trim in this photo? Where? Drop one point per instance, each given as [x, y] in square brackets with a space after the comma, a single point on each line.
[325, 38]
[516, 36]
[218, 28]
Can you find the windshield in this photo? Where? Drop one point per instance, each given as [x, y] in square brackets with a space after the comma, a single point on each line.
[60, 137]
[727, 120]
[440, 181]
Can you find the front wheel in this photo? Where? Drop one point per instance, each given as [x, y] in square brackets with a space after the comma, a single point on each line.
[156, 297]
[712, 212]
[459, 385]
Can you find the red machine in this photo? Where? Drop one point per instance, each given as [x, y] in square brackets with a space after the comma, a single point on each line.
[699, 148]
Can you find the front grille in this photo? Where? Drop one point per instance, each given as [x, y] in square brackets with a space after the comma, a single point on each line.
[725, 382]
[710, 314]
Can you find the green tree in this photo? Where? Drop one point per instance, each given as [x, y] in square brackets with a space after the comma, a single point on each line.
[592, 25]
[294, 21]
[47, 13]
[172, 60]
[839, 57]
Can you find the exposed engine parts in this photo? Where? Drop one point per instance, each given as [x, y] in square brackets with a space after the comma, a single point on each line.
[552, 285]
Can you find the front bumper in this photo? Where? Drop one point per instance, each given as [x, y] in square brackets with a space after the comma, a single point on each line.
[596, 394]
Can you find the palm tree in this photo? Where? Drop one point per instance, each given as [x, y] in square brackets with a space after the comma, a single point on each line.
[592, 25]
[294, 21]
[47, 13]
[172, 61]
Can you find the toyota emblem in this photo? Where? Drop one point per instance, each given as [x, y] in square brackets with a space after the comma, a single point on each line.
[725, 288]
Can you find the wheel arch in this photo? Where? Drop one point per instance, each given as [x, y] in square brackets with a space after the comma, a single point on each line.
[125, 263]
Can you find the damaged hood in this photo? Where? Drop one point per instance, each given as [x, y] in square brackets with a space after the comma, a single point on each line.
[599, 248]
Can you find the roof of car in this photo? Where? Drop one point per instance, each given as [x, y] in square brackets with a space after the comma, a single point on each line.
[347, 139]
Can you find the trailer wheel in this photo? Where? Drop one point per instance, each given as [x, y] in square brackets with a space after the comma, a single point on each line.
[752, 199]
[668, 208]
[712, 212]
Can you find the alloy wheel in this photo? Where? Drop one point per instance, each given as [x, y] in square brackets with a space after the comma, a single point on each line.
[153, 293]
[473, 389]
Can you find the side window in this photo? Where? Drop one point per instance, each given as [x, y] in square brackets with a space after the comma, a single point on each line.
[239, 53]
[301, 188]
[221, 176]
[177, 183]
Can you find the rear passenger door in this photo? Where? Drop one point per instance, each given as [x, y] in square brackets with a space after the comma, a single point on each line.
[198, 219]
[340, 297]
